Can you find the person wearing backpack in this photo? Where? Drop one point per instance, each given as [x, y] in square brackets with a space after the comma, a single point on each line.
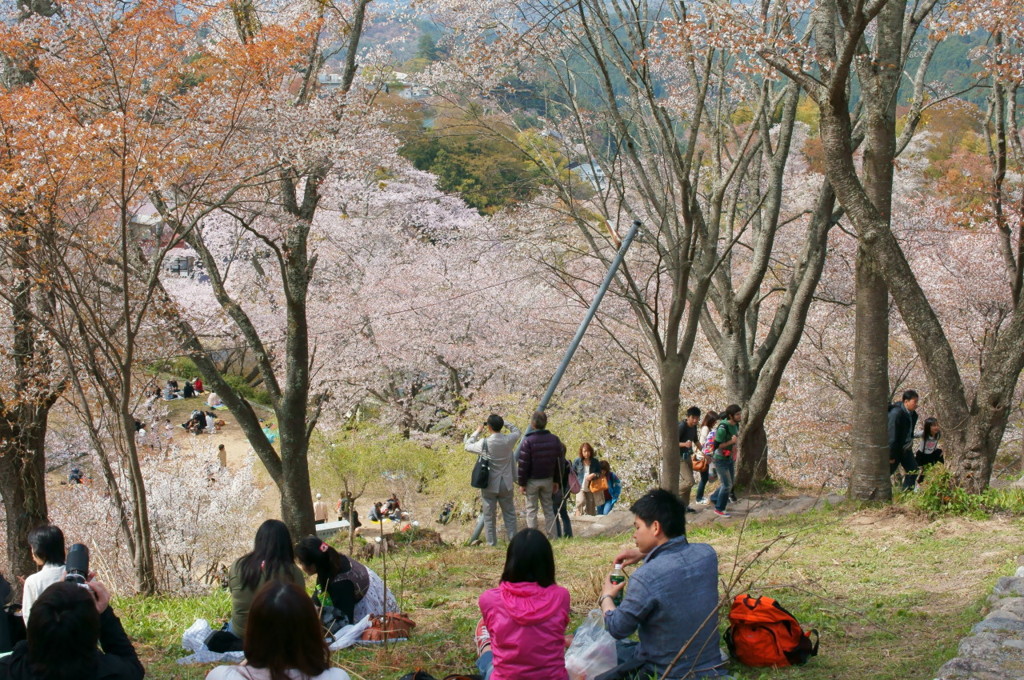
[671, 601]
[902, 421]
[726, 436]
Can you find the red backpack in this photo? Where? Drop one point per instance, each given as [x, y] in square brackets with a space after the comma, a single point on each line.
[762, 633]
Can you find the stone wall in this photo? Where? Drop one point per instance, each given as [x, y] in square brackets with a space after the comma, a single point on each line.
[995, 651]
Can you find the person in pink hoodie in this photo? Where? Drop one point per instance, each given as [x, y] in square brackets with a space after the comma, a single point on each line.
[522, 633]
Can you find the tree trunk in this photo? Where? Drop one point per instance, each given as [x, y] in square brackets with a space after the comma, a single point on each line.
[869, 475]
[144, 560]
[671, 378]
[296, 495]
[23, 487]
[752, 463]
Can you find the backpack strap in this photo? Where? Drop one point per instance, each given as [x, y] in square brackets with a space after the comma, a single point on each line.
[804, 650]
[730, 642]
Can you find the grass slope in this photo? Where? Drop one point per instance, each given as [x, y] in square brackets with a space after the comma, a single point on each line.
[890, 590]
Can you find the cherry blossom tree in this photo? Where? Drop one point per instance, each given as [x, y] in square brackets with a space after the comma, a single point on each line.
[976, 418]
[698, 149]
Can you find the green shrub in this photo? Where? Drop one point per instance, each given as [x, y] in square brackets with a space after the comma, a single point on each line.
[940, 494]
[179, 367]
[258, 395]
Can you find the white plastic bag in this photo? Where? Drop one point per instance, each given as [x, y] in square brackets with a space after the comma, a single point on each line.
[592, 651]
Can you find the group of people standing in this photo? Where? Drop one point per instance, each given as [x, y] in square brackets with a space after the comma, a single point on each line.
[709, 450]
[543, 474]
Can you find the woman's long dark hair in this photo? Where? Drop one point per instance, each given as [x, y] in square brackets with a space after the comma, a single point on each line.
[284, 632]
[62, 633]
[271, 553]
[529, 559]
[929, 423]
[710, 420]
[327, 561]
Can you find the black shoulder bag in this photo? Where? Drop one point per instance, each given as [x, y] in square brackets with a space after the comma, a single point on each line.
[481, 471]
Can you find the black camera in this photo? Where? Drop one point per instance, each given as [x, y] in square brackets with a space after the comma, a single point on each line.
[76, 566]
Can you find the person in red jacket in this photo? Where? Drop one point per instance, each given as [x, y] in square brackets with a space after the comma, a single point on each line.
[522, 632]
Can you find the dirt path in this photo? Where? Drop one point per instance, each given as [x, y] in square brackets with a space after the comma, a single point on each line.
[750, 507]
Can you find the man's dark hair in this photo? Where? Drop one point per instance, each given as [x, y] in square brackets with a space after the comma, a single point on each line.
[731, 410]
[539, 420]
[62, 633]
[284, 632]
[693, 411]
[495, 422]
[529, 559]
[47, 542]
[665, 507]
[910, 394]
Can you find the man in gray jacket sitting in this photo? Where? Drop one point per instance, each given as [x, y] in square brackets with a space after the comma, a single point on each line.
[498, 448]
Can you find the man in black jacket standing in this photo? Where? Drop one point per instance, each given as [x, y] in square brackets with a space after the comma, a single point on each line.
[902, 421]
[541, 456]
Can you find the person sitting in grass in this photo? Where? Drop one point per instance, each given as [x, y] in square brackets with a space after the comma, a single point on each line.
[68, 621]
[671, 601]
[283, 641]
[271, 559]
[342, 582]
[522, 632]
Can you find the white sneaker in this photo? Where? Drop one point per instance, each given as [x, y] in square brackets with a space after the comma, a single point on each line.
[703, 501]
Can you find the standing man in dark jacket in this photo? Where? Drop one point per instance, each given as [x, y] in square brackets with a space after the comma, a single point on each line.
[541, 458]
[902, 421]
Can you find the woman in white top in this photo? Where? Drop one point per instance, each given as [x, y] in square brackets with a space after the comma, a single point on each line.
[47, 545]
[283, 639]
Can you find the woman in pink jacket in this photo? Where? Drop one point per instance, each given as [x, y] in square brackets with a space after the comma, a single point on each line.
[522, 633]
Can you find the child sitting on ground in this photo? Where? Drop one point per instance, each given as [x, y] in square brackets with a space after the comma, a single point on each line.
[522, 632]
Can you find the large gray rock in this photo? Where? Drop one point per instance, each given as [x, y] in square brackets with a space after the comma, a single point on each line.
[999, 624]
[614, 523]
[973, 669]
[996, 650]
[1009, 586]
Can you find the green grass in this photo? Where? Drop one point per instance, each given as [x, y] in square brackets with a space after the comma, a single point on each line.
[891, 591]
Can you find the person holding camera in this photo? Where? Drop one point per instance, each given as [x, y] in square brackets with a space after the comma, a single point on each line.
[499, 449]
[68, 620]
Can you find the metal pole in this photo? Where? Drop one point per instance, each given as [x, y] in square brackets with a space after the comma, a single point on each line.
[573, 346]
[591, 312]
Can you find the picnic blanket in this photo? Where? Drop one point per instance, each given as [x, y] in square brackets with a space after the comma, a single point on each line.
[194, 640]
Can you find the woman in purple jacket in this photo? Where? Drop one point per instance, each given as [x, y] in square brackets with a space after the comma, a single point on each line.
[522, 633]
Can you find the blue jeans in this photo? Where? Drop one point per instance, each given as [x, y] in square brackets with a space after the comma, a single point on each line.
[726, 473]
[703, 483]
[485, 664]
